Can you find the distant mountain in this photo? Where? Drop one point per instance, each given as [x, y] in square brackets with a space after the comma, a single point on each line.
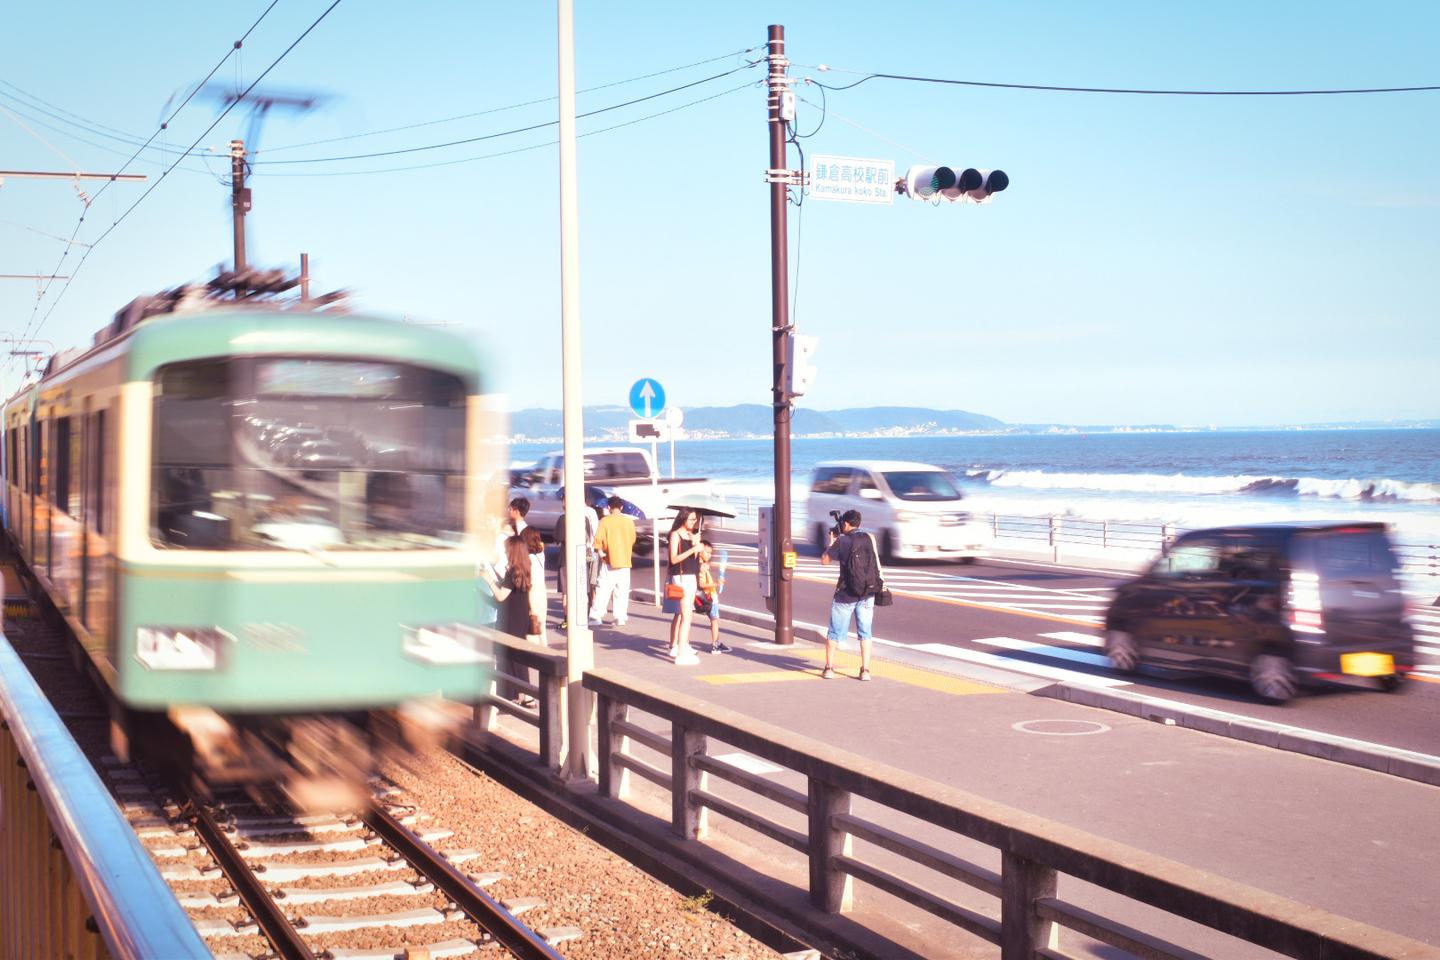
[610, 424]
[871, 419]
[757, 420]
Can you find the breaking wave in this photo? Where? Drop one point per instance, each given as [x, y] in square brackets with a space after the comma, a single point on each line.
[1383, 490]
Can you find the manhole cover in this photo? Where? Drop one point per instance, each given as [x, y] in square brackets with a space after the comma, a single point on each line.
[1060, 728]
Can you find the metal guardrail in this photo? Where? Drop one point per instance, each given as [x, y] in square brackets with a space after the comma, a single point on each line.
[1417, 560]
[1033, 851]
[74, 879]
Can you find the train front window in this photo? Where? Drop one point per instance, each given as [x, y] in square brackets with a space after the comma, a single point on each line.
[307, 454]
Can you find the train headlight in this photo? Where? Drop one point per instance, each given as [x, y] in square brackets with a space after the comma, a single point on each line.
[179, 648]
[446, 643]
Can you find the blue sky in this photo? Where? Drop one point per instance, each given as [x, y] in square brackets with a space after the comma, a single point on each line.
[1226, 260]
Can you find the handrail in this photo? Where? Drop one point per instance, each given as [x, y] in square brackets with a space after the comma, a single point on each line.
[134, 911]
[513, 658]
[1033, 850]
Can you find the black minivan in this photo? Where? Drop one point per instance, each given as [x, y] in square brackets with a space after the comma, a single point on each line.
[1277, 604]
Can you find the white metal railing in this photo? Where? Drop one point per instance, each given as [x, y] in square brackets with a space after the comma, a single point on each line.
[1419, 561]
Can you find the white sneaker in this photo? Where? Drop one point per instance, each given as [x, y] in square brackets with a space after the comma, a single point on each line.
[687, 659]
[596, 623]
[621, 623]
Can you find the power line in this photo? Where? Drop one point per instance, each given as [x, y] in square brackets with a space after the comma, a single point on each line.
[163, 126]
[513, 106]
[161, 179]
[525, 149]
[98, 146]
[507, 133]
[1123, 90]
[84, 121]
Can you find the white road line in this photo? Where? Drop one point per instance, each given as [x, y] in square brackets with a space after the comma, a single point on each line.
[1421, 648]
[1019, 666]
[1046, 650]
[1070, 636]
[951, 591]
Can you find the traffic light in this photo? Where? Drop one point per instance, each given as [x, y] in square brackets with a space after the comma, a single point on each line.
[955, 186]
[800, 371]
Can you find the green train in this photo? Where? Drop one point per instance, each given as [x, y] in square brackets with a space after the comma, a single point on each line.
[249, 508]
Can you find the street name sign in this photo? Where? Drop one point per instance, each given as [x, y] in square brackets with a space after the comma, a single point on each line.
[647, 398]
[852, 179]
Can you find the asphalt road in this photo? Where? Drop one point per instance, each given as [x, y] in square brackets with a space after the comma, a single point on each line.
[1044, 621]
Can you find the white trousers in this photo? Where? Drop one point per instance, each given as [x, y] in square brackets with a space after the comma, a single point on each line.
[618, 581]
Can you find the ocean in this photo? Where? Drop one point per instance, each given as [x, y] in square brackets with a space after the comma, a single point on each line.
[1192, 479]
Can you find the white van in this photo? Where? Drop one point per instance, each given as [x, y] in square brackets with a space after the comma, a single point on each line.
[914, 509]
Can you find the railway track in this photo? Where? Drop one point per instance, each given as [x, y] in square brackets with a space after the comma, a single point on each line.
[278, 864]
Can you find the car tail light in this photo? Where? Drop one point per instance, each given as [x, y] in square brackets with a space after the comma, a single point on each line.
[1303, 603]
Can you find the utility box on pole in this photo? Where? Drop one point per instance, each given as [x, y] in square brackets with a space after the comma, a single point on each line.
[766, 556]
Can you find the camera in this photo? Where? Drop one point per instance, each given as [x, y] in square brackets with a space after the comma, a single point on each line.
[837, 529]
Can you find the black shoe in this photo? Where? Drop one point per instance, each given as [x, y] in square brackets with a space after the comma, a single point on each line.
[719, 646]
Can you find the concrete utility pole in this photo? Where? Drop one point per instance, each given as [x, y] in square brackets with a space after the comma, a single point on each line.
[781, 104]
[239, 201]
[578, 641]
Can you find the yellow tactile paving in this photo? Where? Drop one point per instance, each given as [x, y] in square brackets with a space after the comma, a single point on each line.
[848, 664]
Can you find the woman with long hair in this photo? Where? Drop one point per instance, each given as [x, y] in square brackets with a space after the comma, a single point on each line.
[512, 590]
[685, 550]
[535, 551]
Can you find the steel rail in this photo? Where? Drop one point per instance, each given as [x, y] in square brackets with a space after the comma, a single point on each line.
[276, 927]
[479, 906]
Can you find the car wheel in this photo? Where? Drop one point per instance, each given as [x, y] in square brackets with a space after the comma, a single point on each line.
[820, 543]
[1393, 683]
[1123, 651]
[1273, 678]
[887, 546]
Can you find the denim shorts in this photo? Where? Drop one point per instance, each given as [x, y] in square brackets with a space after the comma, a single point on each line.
[840, 613]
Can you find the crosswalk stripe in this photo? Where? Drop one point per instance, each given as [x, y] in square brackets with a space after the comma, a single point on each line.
[1019, 666]
[1070, 636]
[1045, 649]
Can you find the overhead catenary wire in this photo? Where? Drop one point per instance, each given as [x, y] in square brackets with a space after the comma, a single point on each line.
[188, 150]
[507, 133]
[100, 146]
[507, 107]
[104, 186]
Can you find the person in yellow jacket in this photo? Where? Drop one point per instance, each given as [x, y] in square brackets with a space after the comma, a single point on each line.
[615, 545]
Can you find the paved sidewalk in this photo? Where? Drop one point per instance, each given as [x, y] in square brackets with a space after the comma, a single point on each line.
[1294, 825]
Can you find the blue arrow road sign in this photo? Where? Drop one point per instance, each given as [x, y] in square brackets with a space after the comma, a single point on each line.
[647, 398]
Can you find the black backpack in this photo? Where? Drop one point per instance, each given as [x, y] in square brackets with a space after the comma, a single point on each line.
[860, 573]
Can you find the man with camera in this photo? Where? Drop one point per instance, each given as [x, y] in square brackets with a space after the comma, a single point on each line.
[855, 589]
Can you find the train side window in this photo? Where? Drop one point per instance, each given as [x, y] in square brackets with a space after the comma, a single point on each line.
[60, 488]
[98, 503]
